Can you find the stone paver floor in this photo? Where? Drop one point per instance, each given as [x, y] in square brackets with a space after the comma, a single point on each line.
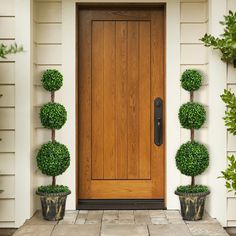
[121, 223]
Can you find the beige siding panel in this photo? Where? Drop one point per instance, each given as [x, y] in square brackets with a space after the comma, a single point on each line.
[7, 163]
[185, 135]
[39, 70]
[7, 73]
[7, 8]
[191, 33]
[7, 184]
[231, 143]
[193, 54]
[201, 135]
[231, 209]
[7, 118]
[37, 122]
[48, 12]
[49, 33]
[193, 0]
[231, 223]
[7, 141]
[7, 210]
[201, 68]
[232, 5]
[48, 54]
[43, 136]
[7, 27]
[7, 95]
[193, 12]
[231, 74]
[42, 96]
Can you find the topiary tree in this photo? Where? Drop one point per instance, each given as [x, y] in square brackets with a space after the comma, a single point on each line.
[192, 158]
[53, 158]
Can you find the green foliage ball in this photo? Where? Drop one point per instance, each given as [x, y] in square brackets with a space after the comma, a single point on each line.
[192, 189]
[192, 158]
[52, 80]
[53, 158]
[53, 115]
[192, 115]
[191, 80]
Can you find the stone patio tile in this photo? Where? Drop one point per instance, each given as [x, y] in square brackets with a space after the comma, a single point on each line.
[169, 230]
[176, 221]
[173, 214]
[120, 230]
[76, 230]
[37, 219]
[126, 221]
[206, 229]
[158, 220]
[81, 217]
[142, 219]
[157, 213]
[69, 218]
[141, 212]
[110, 212]
[94, 217]
[34, 230]
[126, 212]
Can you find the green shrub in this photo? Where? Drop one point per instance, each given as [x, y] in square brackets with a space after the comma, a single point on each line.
[192, 115]
[53, 158]
[53, 115]
[192, 158]
[227, 43]
[53, 189]
[52, 80]
[230, 174]
[191, 80]
[192, 189]
[230, 114]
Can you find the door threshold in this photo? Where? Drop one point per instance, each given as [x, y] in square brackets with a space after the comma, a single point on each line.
[121, 204]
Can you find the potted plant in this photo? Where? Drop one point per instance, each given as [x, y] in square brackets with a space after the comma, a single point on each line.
[192, 158]
[53, 158]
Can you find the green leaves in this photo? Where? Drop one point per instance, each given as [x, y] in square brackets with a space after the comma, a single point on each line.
[192, 189]
[53, 115]
[230, 174]
[192, 158]
[52, 80]
[226, 44]
[192, 115]
[12, 49]
[230, 114]
[53, 189]
[53, 158]
[191, 80]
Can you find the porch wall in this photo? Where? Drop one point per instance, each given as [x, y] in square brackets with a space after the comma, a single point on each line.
[231, 141]
[7, 120]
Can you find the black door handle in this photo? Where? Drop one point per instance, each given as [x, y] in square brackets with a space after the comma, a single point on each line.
[158, 121]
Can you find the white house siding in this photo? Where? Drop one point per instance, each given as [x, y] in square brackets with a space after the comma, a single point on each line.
[231, 147]
[7, 117]
[194, 21]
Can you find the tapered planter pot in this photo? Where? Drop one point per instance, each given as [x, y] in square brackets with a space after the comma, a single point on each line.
[192, 205]
[53, 205]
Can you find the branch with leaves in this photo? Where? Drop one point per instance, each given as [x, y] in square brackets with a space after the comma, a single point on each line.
[11, 49]
[227, 43]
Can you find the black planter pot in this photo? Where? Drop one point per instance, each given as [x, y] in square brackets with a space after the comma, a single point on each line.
[53, 205]
[192, 205]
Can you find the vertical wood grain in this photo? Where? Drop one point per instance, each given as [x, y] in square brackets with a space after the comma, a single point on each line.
[109, 100]
[144, 101]
[97, 99]
[121, 101]
[133, 99]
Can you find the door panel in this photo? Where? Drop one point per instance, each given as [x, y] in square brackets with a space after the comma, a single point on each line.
[120, 73]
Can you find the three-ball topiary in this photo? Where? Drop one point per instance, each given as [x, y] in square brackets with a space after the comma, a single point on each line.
[53, 115]
[192, 115]
[192, 158]
[191, 80]
[52, 80]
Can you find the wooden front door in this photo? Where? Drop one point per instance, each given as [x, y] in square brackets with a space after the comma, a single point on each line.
[120, 73]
